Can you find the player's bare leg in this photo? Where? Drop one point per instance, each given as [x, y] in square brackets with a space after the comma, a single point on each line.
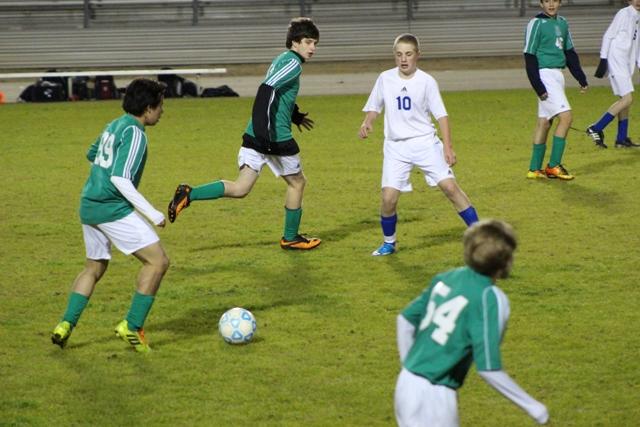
[292, 239]
[243, 184]
[86, 281]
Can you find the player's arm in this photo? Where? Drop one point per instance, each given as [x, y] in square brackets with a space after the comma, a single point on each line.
[367, 125]
[445, 134]
[129, 191]
[260, 116]
[405, 335]
[300, 119]
[93, 150]
[573, 63]
[533, 73]
[506, 386]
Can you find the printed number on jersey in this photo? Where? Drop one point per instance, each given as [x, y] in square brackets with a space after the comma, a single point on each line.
[104, 157]
[404, 103]
[443, 316]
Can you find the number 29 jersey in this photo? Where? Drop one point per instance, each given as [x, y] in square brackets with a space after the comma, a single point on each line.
[120, 151]
[459, 318]
[408, 104]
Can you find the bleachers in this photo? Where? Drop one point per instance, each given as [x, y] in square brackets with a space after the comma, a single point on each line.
[230, 32]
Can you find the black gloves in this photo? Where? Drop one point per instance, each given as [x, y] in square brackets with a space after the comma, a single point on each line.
[602, 68]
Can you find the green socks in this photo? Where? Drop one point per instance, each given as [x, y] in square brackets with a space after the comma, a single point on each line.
[214, 190]
[537, 157]
[291, 222]
[75, 307]
[557, 149]
[140, 307]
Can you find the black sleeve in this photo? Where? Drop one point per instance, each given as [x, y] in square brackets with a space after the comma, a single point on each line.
[260, 115]
[533, 72]
[573, 63]
[603, 66]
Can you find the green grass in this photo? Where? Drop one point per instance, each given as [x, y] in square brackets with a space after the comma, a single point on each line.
[325, 350]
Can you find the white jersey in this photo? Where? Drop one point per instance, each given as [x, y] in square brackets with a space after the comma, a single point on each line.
[620, 41]
[408, 104]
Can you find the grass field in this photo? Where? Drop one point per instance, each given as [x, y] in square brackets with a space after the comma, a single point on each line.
[325, 350]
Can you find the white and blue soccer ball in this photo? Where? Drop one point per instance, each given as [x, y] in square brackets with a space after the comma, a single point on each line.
[237, 326]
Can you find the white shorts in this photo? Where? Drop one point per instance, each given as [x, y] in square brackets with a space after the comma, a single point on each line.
[620, 71]
[425, 153]
[419, 403]
[556, 102]
[279, 165]
[129, 235]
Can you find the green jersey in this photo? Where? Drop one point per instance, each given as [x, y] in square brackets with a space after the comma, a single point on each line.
[284, 76]
[547, 38]
[459, 318]
[120, 151]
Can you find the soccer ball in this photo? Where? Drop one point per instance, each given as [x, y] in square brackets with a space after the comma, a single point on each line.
[237, 326]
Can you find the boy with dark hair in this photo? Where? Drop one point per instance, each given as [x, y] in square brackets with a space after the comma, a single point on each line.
[110, 212]
[548, 49]
[619, 55]
[268, 140]
[460, 318]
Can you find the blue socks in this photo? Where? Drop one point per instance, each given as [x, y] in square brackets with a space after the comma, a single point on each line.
[603, 122]
[469, 215]
[623, 126]
[388, 224]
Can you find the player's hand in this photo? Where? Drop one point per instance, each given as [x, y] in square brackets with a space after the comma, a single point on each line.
[544, 96]
[365, 128]
[305, 122]
[162, 224]
[449, 155]
[583, 89]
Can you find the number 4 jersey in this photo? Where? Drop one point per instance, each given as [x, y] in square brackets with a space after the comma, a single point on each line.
[460, 318]
[120, 151]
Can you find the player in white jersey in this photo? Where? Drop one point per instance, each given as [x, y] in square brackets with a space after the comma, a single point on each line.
[409, 97]
[619, 55]
[111, 212]
[459, 319]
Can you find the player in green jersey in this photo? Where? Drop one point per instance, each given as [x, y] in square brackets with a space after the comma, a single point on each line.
[459, 319]
[110, 213]
[548, 50]
[268, 140]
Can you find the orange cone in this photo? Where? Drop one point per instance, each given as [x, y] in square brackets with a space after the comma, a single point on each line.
[1, 97]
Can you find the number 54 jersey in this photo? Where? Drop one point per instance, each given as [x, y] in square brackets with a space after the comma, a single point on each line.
[120, 151]
[460, 318]
[408, 104]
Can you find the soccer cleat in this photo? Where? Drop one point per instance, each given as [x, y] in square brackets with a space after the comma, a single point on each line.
[180, 201]
[134, 338]
[559, 172]
[537, 174]
[61, 333]
[300, 242]
[597, 136]
[385, 249]
[626, 143]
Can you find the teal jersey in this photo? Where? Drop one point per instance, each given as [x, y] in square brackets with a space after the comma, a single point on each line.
[284, 76]
[120, 151]
[459, 319]
[547, 38]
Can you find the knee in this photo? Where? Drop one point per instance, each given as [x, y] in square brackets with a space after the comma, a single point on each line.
[163, 263]
[298, 183]
[449, 188]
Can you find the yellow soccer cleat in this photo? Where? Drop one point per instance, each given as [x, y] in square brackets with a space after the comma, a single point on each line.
[537, 174]
[61, 333]
[134, 338]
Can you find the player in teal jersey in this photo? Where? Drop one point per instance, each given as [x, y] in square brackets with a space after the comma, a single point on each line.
[268, 139]
[548, 50]
[459, 319]
[110, 208]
